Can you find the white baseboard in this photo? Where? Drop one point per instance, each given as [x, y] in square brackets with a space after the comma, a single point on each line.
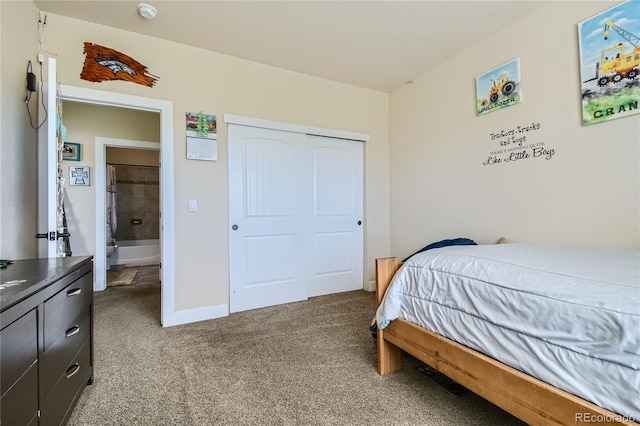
[199, 314]
[371, 286]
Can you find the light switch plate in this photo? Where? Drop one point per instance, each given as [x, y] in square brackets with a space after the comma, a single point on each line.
[193, 205]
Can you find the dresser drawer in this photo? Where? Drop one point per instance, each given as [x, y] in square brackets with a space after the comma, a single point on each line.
[19, 406]
[58, 356]
[54, 408]
[63, 308]
[18, 349]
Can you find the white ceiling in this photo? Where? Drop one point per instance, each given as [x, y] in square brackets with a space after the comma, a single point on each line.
[378, 45]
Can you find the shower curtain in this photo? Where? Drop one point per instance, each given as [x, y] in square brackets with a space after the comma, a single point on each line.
[112, 222]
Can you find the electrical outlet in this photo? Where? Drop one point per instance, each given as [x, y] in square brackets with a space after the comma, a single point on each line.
[193, 205]
[40, 57]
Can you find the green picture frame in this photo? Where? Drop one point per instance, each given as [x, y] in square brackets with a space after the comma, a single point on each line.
[71, 151]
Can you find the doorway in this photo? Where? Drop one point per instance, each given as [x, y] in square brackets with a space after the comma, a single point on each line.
[132, 201]
[165, 109]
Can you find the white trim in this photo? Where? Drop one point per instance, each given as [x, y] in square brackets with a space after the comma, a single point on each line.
[295, 128]
[198, 314]
[48, 166]
[101, 144]
[165, 108]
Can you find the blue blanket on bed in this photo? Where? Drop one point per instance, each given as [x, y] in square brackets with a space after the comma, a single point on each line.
[445, 243]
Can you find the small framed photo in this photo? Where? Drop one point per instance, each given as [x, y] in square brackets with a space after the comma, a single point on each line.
[71, 151]
[79, 176]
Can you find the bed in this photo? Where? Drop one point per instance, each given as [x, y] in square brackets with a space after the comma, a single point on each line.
[551, 334]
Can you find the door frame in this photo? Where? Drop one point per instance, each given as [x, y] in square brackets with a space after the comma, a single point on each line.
[101, 144]
[165, 109]
[48, 167]
[296, 128]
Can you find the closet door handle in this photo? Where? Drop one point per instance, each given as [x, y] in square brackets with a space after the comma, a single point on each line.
[74, 292]
[72, 370]
[73, 330]
[234, 227]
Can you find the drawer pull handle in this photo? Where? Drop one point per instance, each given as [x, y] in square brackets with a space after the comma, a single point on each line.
[74, 292]
[72, 370]
[73, 330]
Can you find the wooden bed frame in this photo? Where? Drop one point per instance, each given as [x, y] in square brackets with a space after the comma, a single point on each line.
[525, 397]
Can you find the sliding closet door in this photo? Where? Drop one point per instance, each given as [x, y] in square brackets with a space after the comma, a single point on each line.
[295, 211]
[336, 222]
[268, 200]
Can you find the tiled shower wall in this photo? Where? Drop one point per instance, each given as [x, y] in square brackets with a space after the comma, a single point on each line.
[138, 198]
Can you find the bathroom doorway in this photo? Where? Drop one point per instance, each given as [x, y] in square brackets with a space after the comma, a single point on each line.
[136, 172]
[132, 215]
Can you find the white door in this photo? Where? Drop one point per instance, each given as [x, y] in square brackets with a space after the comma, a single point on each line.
[267, 201]
[336, 221]
[295, 216]
[48, 168]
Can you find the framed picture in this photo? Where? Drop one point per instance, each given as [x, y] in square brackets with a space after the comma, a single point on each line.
[71, 151]
[498, 88]
[79, 176]
[610, 63]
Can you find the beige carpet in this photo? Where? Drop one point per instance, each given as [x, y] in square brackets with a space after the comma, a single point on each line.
[123, 277]
[305, 363]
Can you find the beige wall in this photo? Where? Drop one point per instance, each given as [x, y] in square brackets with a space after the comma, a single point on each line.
[18, 161]
[586, 194]
[85, 122]
[134, 157]
[197, 80]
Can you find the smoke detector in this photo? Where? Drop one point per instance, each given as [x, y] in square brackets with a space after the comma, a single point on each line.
[147, 11]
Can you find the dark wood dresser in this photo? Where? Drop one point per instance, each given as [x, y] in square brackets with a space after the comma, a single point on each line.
[46, 341]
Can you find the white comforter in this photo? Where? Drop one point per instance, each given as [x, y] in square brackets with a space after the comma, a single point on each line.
[569, 316]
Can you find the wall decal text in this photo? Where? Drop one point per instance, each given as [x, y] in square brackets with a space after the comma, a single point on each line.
[518, 143]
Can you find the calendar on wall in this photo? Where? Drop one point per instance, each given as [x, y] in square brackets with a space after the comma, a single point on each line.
[202, 136]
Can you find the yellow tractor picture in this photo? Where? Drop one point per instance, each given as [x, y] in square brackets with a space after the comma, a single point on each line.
[616, 65]
[501, 85]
